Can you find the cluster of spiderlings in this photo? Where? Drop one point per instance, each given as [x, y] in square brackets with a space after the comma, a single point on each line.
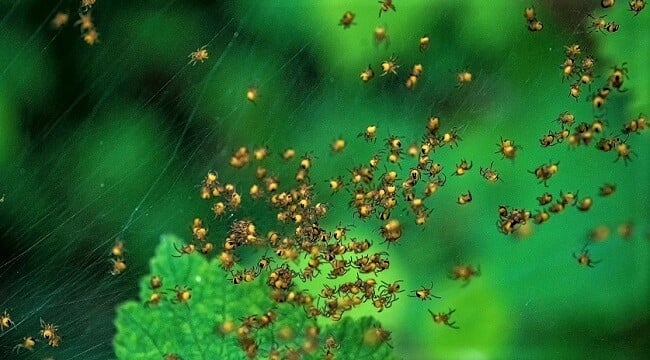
[212, 188]
[253, 327]
[157, 295]
[332, 251]
[564, 200]
[390, 66]
[576, 65]
[380, 195]
[584, 133]
[583, 67]
[533, 24]
[510, 219]
[118, 264]
[49, 332]
[200, 236]
[599, 234]
[89, 33]
[347, 19]
[416, 72]
[635, 125]
[182, 293]
[603, 26]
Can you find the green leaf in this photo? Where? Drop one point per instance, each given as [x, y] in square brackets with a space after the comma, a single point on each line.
[190, 329]
[358, 339]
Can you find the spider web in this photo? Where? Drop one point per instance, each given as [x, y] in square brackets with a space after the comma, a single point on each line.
[109, 142]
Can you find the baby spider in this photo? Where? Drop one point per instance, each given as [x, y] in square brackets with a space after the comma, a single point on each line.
[585, 204]
[331, 344]
[545, 199]
[183, 294]
[378, 335]
[584, 259]
[118, 249]
[252, 93]
[545, 171]
[612, 26]
[535, 25]
[389, 66]
[618, 76]
[49, 332]
[598, 24]
[347, 20]
[450, 138]
[390, 289]
[625, 230]
[86, 22]
[462, 167]
[607, 189]
[380, 35]
[572, 51]
[424, 293]
[338, 145]
[370, 134]
[599, 98]
[464, 199]
[636, 125]
[568, 68]
[187, 249]
[424, 43]
[443, 318]
[508, 149]
[86, 5]
[623, 152]
[91, 37]
[59, 20]
[490, 174]
[387, 5]
[607, 3]
[587, 63]
[155, 282]
[463, 77]
[637, 6]
[154, 299]
[465, 273]
[27, 344]
[5, 321]
[574, 90]
[548, 139]
[529, 14]
[367, 74]
[118, 266]
[200, 55]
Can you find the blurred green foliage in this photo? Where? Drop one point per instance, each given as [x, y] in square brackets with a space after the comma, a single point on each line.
[112, 140]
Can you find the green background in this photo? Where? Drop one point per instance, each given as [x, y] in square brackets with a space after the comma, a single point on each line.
[112, 141]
